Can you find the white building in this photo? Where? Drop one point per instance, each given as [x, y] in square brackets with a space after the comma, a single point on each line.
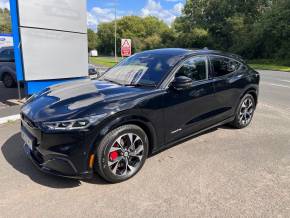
[93, 53]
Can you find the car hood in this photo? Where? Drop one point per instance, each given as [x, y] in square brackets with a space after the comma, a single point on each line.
[79, 99]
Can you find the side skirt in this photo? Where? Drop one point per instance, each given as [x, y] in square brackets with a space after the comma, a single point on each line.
[171, 144]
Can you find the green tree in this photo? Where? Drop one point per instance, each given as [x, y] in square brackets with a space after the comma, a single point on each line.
[271, 35]
[146, 33]
[92, 40]
[196, 38]
[5, 21]
[106, 38]
[225, 24]
[168, 38]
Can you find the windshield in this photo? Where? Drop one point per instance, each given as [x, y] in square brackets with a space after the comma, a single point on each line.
[147, 69]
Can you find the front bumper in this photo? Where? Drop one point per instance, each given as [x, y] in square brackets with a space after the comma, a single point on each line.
[63, 154]
[55, 166]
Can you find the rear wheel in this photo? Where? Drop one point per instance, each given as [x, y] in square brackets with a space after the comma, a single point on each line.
[122, 153]
[245, 112]
[8, 81]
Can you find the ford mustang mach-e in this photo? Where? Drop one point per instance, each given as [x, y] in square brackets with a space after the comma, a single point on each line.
[144, 104]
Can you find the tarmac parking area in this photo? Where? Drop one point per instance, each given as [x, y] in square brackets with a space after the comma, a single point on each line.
[223, 173]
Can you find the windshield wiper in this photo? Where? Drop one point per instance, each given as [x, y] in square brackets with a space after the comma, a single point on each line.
[141, 85]
[112, 81]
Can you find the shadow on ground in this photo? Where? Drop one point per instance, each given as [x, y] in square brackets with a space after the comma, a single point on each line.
[13, 152]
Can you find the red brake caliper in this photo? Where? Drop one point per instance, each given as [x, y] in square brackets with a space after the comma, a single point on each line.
[114, 154]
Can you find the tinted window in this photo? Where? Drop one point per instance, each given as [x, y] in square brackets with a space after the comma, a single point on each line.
[143, 68]
[222, 66]
[7, 54]
[194, 68]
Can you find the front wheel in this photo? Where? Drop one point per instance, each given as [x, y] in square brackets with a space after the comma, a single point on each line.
[122, 153]
[245, 112]
[8, 81]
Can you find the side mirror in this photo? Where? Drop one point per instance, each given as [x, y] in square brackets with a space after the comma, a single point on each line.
[181, 83]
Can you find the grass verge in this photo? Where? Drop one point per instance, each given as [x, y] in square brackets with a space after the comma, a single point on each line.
[260, 64]
[104, 61]
[266, 64]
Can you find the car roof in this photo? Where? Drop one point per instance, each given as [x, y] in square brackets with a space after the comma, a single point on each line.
[168, 51]
[188, 52]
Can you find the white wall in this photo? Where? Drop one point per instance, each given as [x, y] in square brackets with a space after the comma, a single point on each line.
[53, 38]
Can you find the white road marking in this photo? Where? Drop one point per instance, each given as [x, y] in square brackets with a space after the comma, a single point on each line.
[279, 85]
[284, 80]
[274, 84]
[9, 118]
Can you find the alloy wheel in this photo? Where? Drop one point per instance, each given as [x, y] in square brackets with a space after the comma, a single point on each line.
[8, 81]
[246, 111]
[126, 154]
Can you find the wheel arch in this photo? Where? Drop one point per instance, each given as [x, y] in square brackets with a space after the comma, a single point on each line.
[139, 121]
[252, 91]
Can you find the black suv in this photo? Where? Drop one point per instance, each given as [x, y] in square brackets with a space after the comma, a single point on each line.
[144, 104]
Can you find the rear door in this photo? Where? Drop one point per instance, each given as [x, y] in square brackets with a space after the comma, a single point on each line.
[226, 75]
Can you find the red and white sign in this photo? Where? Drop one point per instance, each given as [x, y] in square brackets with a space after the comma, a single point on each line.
[126, 48]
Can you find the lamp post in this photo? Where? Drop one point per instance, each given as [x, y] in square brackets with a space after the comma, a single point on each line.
[116, 58]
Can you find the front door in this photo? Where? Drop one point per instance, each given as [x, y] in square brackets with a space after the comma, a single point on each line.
[190, 110]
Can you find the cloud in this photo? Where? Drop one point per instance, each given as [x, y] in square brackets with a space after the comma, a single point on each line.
[178, 8]
[154, 8]
[173, 0]
[4, 4]
[99, 15]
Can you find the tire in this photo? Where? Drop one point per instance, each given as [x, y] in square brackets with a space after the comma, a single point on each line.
[8, 80]
[244, 113]
[117, 159]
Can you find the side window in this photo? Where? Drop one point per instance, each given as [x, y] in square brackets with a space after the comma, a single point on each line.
[222, 66]
[194, 68]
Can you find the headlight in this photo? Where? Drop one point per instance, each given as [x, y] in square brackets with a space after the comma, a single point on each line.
[76, 124]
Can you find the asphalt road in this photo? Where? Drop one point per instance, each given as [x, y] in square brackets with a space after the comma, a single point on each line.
[224, 173]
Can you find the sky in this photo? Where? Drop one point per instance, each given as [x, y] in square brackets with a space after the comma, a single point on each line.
[99, 11]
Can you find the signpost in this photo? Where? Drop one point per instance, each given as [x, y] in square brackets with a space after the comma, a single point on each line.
[126, 47]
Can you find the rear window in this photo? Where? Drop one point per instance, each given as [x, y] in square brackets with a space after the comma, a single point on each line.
[222, 66]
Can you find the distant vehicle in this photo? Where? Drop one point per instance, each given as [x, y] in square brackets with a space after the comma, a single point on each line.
[94, 53]
[146, 103]
[93, 71]
[7, 67]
